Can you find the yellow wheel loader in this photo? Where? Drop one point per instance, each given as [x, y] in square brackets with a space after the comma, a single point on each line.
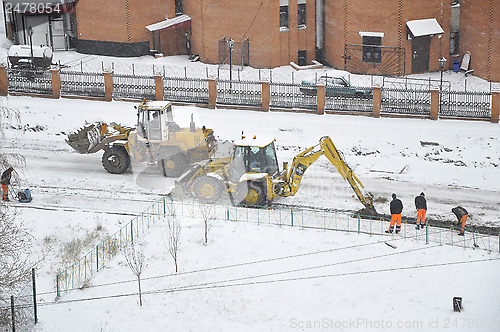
[157, 139]
[251, 175]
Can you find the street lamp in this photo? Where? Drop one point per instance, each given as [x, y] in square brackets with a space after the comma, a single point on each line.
[230, 44]
[442, 62]
[30, 34]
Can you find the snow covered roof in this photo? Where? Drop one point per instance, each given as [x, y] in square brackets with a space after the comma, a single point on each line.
[425, 27]
[169, 23]
[254, 141]
[157, 104]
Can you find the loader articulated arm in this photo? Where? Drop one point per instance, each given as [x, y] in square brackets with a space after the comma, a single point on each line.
[326, 147]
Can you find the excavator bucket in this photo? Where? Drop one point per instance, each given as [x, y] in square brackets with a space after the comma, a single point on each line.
[83, 140]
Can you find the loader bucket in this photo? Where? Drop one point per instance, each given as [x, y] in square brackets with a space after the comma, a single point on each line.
[83, 140]
[181, 187]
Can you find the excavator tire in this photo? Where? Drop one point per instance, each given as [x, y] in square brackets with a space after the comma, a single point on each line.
[250, 193]
[208, 189]
[116, 160]
[174, 166]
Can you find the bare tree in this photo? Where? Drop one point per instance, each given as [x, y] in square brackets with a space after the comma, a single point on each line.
[135, 260]
[173, 236]
[207, 213]
[16, 262]
[12, 118]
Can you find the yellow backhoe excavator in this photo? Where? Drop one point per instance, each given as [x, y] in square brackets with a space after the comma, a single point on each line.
[251, 175]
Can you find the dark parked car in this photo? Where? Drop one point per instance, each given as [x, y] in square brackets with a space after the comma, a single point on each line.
[336, 86]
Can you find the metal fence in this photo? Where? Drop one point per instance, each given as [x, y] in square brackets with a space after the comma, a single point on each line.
[19, 312]
[81, 271]
[239, 92]
[289, 95]
[30, 81]
[194, 90]
[75, 83]
[406, 101]
[344, 100]
[77, 274]
[134, 87]
[471, 104]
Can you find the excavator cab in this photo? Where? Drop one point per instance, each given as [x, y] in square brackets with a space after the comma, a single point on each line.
[252, 156]
[154, 120]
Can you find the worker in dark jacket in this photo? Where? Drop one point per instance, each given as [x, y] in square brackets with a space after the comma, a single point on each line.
[396, 210]
[461, 215]
[5, 181]
[421, 206]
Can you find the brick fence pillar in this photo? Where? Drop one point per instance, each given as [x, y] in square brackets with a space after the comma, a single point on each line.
[320, 98]
[108, 86]
[212, 93]
[377, 101]
[266, 96]
[4, 81]
[434, 104]
[56, 83]
[159, 87]
[495, 106]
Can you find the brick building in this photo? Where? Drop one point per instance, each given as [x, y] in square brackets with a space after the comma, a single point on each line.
[480, 35]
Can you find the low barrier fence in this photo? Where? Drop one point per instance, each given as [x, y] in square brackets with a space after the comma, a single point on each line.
[408, 99]
[78, 273]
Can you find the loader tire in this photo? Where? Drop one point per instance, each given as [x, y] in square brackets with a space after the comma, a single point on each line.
[174, 166]
[250, 193]
[116, 160]
[208, 189]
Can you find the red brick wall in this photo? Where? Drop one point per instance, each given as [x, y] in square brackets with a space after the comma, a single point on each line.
[479, 39]
[106, 20]
[345, 18]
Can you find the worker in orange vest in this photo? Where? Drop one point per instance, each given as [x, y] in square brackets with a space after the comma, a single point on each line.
[462, 216]
[396, 207]
[5, 181]
[421, 206]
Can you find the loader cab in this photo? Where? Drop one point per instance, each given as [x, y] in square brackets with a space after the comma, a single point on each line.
[153, 120]
[252, 155]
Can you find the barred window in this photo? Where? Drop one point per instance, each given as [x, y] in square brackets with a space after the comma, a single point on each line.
[179, 7]
[372, 52]
[301, 15]
[284, 17]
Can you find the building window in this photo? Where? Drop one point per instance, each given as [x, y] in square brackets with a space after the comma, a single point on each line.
[284, 17]
[302, 58]
[372, 52]
[301, 15]
[179, 7]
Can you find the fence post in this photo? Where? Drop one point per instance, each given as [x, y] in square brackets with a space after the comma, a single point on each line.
[495, 106]
[159, 87]
[108, 86]
[291, 211]
[377, 101]
[320, 98]
[132, 231]
[212, 93]
[33, 278]
[97, 257]
[12, 311]
[4, 81]
[58, 291]
[426, 233]
[434, 103]
[56, 83]
[266, 95]
[359, 224]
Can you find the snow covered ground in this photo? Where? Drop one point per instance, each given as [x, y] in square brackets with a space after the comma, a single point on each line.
[453, 162]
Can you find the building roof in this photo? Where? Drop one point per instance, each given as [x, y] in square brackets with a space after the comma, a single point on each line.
[169, 23]
[425, 27]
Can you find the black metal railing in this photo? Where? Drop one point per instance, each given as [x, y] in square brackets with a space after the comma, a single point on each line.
[30, 81]
[288, 95]
[186, 89]
[75, 83]
[239, 93]
[405, 101]
[470, 104]
[134, 87]
[351, 99]
[391, 61]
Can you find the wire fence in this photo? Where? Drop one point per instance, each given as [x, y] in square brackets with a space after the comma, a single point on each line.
[19, 312]
[81, 271]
